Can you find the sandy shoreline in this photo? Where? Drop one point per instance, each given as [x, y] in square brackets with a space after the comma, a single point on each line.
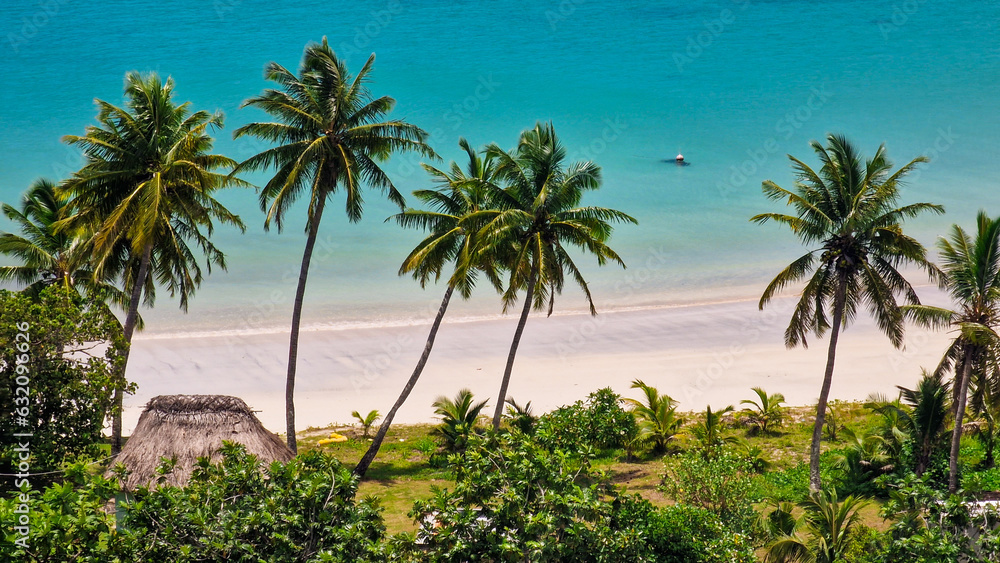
[699, 354]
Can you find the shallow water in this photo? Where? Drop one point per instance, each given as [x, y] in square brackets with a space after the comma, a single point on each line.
[734, 85]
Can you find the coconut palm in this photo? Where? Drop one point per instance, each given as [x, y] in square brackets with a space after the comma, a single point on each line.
[656, 417]
[458, 419]
[826, 526]
[538, 215]
[330, 136]
[459, 192]
[145, 192]
[708, 432]
[766, 413]
[49, 257]
[972, 276]
[849, 208]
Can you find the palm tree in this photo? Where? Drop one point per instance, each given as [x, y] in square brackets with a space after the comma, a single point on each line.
[708, 432]
[520, 417]
[972, 276]
[366, 421]
[146, 190]
[537, 215]
[656, 417]
[329, 136]
[827, 524]
[459, 192]
[49, 257]
[849, 208]
[458, 419]
[928, 416]
[765, 415]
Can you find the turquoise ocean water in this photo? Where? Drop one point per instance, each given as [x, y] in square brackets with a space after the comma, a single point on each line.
[734, 85]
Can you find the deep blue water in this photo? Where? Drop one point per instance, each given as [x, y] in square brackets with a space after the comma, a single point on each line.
[734, 85]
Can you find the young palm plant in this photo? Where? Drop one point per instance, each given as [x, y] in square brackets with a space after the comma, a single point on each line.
[520, 417]
[538, 215]
[330, 136]
[366, 421]
[459, 192]
[764, 414]
[707, 433]
[656, 416]
[458, 419]
[849, 208]
[146, 194]
[823, 532]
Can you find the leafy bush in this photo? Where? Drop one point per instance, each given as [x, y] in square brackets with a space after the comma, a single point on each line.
[931, 526]
[71, 359]
[720, 483]
[304, 510]
[516, 500]
[66, 521]
[686, 534]
[599, 422]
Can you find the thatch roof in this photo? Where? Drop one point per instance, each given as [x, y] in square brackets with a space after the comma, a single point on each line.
[187, 427]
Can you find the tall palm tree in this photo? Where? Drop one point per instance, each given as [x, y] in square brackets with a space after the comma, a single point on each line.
[49, 257]
[459, 192]
[972, 276]
[330, 136]
[849, 209]
[537, 215]
[146, 189]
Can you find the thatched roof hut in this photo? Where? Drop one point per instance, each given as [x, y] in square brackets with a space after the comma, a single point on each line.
[191, 426]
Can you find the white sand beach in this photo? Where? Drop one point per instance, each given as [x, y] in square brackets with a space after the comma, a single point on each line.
[699, 354]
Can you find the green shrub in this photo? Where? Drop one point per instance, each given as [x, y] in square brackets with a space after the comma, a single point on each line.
[514, 499]
[301, 511]
[686, 534]
[720, 482]
[599, 422]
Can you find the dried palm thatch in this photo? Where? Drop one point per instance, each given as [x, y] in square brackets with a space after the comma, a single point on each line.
[186, 427]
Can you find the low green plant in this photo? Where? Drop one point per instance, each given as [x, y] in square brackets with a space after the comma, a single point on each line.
[520, 417]
[366, 421]
[458, 419]
[822, 534]
[764, 414]
[656, 417]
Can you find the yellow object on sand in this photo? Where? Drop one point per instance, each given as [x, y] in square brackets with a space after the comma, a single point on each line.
[333, 439]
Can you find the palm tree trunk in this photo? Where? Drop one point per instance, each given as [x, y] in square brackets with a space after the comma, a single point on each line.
[513, 348]
[824, 394]
[128, 329]
[369, 456]
[293, 338]
[956, 434]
